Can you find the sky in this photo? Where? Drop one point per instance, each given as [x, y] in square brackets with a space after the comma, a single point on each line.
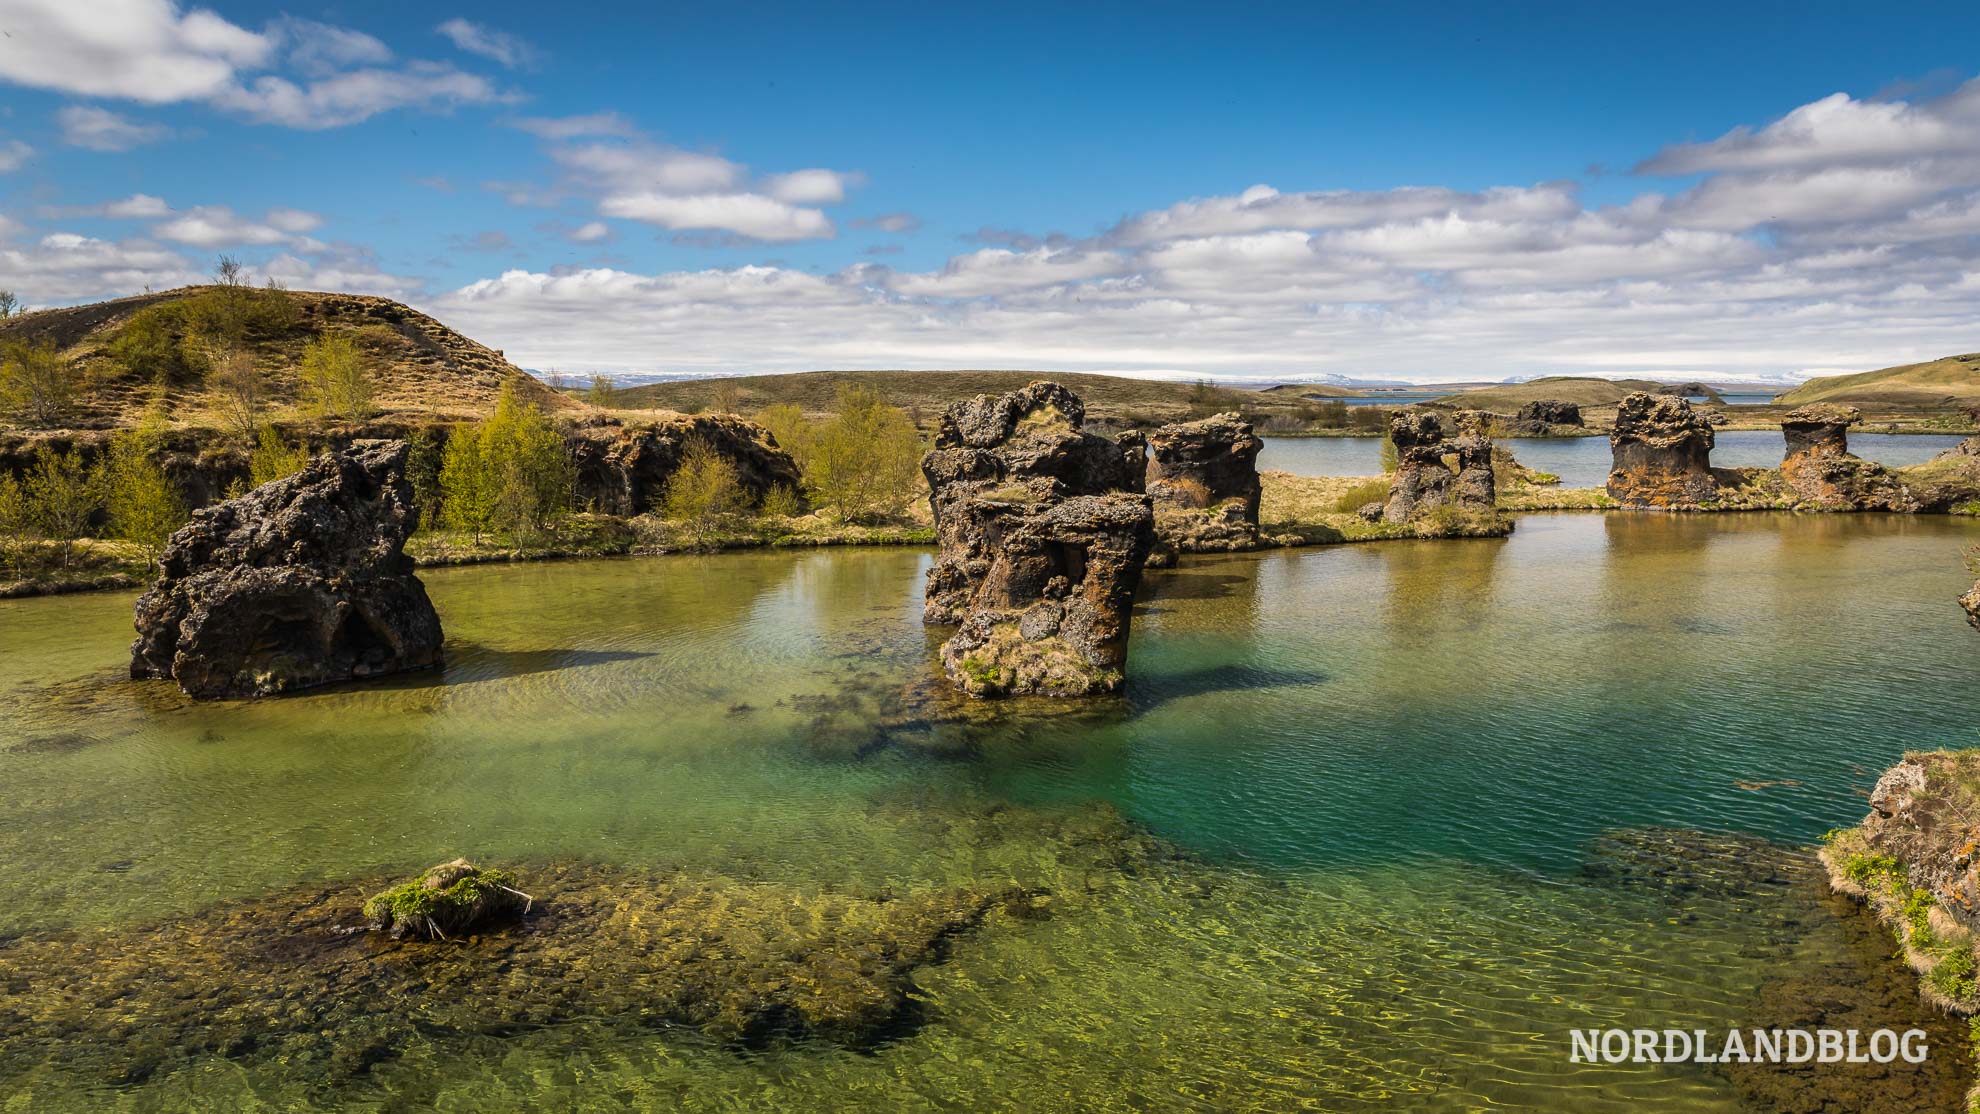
[1421, 191]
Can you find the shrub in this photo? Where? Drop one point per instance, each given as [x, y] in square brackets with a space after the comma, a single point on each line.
[240, 389]
[702, 490]
[1361, 494]
[158, 344]
[866, 461]
[336, 380]
[788, 427]
[423, 459]
[37, 388]
[603, 392]
[782, 502]
[139, 499]
[509, 472]
[273, 458]
[59, 497]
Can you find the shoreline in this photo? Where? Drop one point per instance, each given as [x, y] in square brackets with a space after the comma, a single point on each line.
[440, 553]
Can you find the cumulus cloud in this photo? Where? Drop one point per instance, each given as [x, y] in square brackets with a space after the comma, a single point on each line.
[138, 206]
[631, 176]
[217, 226]
[154, 52]
[591, 232]
[144, 50]
[1841, 236]
[13, 155]
[745, 214]
[1836, 130]
[99, 129]
[499, 46]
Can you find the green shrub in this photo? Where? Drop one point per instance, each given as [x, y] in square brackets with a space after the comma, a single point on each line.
[336, 380]
[702, 491]
[1365, 492]
[273, 458]
[142, 504]
[866, 462]
[782, 502]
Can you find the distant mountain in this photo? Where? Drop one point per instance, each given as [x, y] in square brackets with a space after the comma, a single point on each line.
[1583, 390]
[1949, 381]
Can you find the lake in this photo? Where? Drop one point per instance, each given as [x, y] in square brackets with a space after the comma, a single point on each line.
[1584, 461]
[1418, 810]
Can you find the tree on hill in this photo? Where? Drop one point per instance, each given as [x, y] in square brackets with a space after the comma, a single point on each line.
[37, 387]
[509, 473]
[335, 378]
[9, 305]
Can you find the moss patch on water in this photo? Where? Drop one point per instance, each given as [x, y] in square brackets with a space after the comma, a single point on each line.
[447, 900]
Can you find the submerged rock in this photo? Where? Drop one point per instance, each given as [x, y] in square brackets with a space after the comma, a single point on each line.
[1052, 612]
[303, 581]
[447, 900]
[1662, 452]
[285, 979]
[1423, 482]
[1820, 471]
[1203, 481]
[997, 459]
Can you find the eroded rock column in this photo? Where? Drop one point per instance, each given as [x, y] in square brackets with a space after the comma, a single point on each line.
[1424, 482]
[1662, 453]
[1820, 471]
[1203, 482]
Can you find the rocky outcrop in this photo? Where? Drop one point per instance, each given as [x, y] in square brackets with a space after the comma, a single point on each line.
[448, 900]
[303, 581]
[1550, 411]
[1915, 860]
[1547, 417]
[996, 461]
[1820, 471]
[1203, 481]
[1424, 482]
[623, 468]
[1662, 453]
[1051, 614]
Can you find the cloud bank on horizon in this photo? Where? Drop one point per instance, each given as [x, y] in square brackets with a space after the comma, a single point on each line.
[1841, 235]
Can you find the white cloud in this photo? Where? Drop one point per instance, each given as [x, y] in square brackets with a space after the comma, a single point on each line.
[590, 232]
[152, 51]
[998, 271]
[144, 50]
[138, 206]
[745, 214]
[63, 266]
[487, 42]
[100, 129]
[217, 226]
[632, 177]
[350, 98]
[1837, 129]
[13, 155]
[577, 127]
[810, 187]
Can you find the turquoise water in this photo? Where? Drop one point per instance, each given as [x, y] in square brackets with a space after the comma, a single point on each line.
[1584, 461]
[1383, 770]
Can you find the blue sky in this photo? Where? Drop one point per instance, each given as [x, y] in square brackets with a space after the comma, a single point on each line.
[1426, 191]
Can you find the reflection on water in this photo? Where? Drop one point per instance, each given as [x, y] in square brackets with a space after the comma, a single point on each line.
[1584, 461]
[1387, 770]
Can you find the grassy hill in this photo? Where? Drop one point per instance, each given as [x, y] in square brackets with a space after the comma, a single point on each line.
[923, 394]
[1950, 381]
[1579, 389]
[126, 352]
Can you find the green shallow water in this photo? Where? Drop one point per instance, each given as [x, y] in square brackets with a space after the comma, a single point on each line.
[1384, 767]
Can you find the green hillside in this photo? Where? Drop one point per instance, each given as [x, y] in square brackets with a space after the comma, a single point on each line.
[1948, 381]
